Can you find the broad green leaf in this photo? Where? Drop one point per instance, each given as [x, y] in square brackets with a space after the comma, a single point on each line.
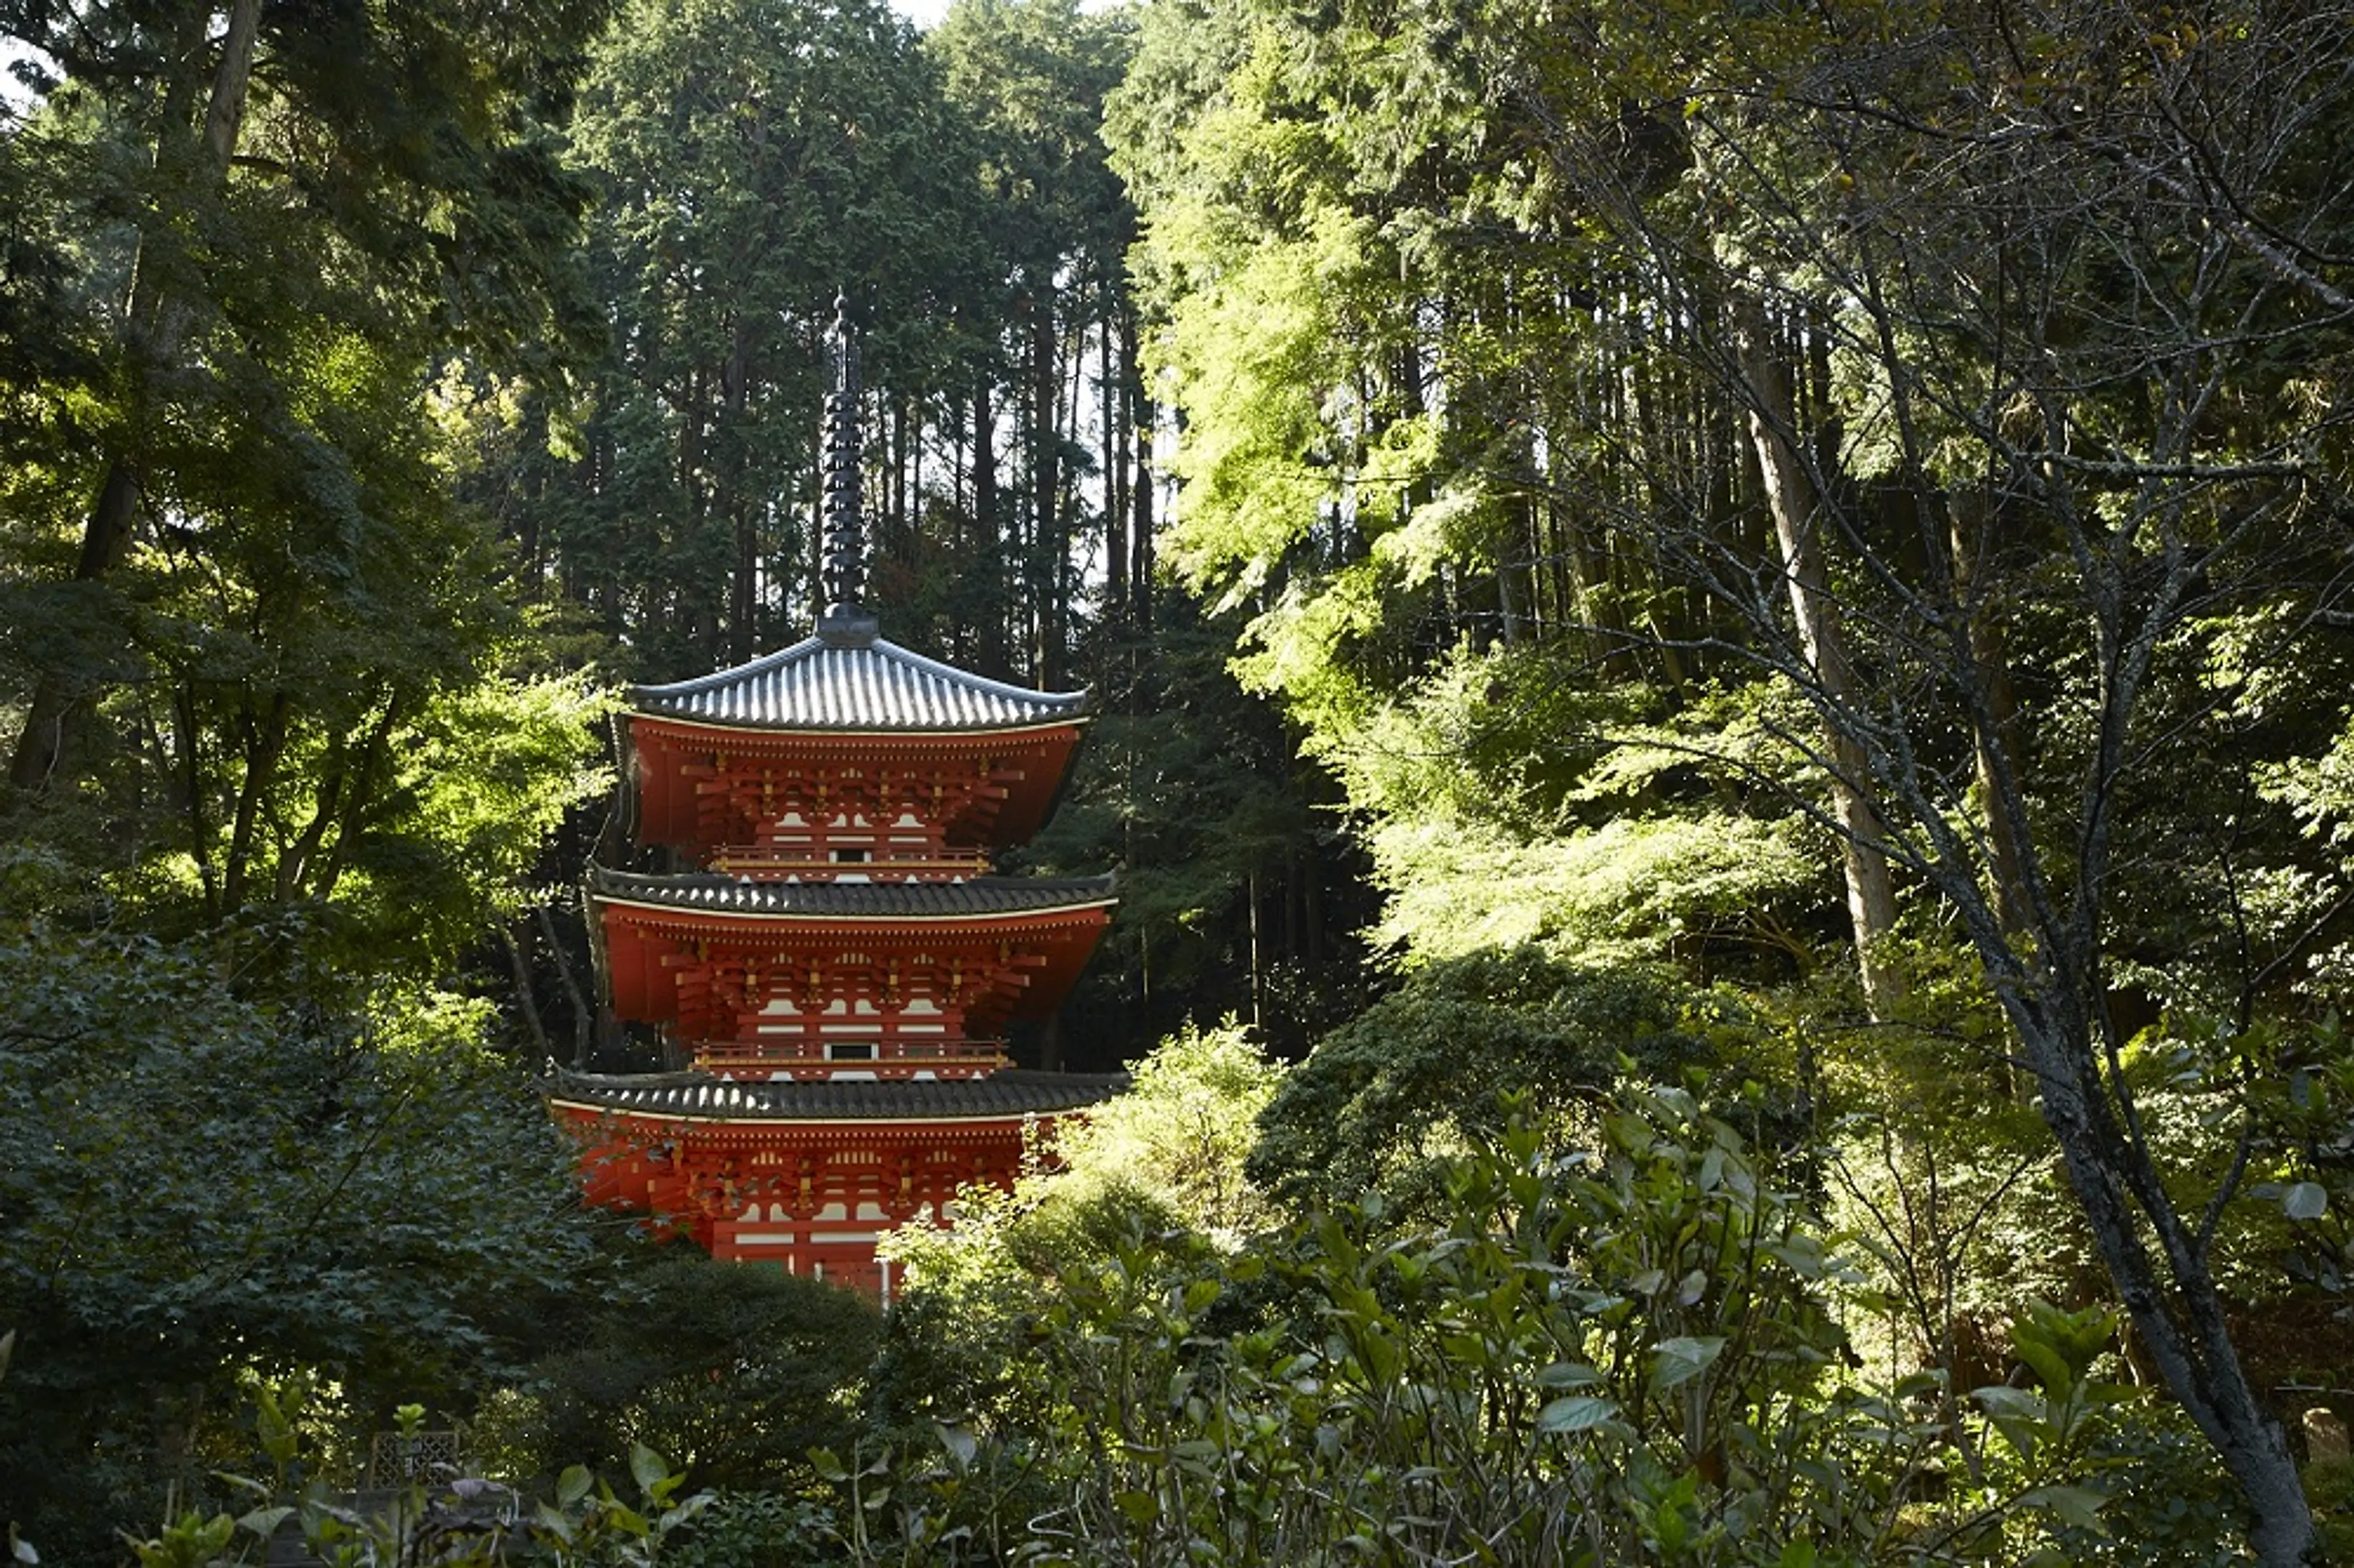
[1568, 1375]
[2000, 1399]
[1575, 1413]
[1679, 1360]
[573, 1485]
[647, 1468]
[2080, 1506]
[2047, 1363]
[958, 1441]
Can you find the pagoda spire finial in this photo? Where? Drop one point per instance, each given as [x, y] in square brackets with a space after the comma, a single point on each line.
[845, 620]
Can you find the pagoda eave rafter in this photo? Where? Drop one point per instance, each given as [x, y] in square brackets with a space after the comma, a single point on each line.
[692, 925]
[743, 740]
[757, 1132]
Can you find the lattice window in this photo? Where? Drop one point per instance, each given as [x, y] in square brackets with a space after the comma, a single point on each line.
[395, 1460]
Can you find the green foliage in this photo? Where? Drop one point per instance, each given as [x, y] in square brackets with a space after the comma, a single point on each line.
[2329, 1482]
[1190, 788]
[588, 1525]
[2304, 1118]
[1167, 1158]
[736, 1370]
[1506, 800]
[1675, 455]
[1031, 76]
[282, 740]
[192, 1540]
[758, 1529]
[237, 583]
[203, 1180]
[1180, 1135]
[1388, 1101]
[755, 157]
[1621, 1355]
[462, 1522]
[1467, 320]
[2165, 1502]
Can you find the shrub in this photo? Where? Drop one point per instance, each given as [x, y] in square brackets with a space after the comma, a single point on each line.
[1625, 1354]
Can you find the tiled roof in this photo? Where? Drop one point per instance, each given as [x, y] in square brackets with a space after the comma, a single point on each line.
[873, 900]
[830, 685]
[1013, 1091]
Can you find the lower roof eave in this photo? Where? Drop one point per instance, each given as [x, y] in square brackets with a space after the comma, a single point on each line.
[789, 1122]
[695, 1098]
[780, 918]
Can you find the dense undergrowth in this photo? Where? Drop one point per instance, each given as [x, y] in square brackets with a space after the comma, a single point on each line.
[1608, 1328]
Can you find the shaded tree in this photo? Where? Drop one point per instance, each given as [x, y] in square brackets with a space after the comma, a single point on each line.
[1964, 393]
[209, 1178]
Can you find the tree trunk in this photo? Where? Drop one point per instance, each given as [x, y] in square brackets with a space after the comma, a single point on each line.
[1508, 604]
[2183, 1331]
[959, 633]
[152, 328]
[1114, 378]
[1046, 486]
[1139, 531]
[895, 521]
[358, 795]
[988, 558]
[1258, 985]
[1994, 733]
[265, 744]
[520, 967]
[186, 744]
[1796, 506]
[584, 1017]
[296, 860]
[735, 505]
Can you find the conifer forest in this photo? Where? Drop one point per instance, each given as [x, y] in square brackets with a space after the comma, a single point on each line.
[1720, 639]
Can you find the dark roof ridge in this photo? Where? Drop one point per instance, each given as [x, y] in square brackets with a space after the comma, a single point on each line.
[974, 895]
[708, 1096]
[688, 1078]
[898, 689]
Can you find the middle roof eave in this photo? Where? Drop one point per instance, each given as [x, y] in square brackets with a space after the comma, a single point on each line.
[978, 895]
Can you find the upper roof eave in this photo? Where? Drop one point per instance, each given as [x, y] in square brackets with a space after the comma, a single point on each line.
[877, 688]
[777, 735]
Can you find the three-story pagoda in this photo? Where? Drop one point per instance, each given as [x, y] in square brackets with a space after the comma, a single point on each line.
[839, 964]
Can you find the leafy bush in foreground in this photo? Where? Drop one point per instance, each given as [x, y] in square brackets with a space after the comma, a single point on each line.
[1618, 1356]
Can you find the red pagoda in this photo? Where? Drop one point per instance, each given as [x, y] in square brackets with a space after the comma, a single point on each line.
[839, 968]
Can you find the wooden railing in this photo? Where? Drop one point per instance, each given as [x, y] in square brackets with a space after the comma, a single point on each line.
[951, 866]
[959, 1058]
